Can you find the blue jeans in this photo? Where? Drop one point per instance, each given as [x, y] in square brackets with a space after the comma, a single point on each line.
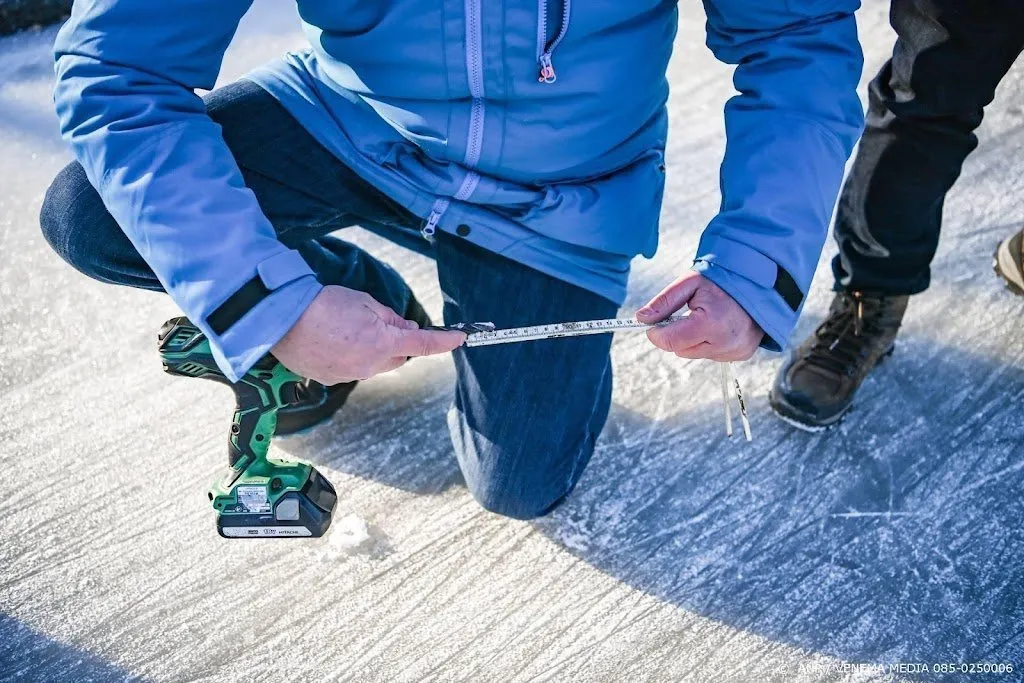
[526, 416]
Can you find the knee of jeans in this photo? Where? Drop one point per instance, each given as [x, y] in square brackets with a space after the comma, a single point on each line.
[516, 498]
[522, 478]
[70, 202]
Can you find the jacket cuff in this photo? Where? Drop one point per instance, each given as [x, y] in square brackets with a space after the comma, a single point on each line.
[762, 304]
[246, 325]
[255, 334]
[765, 289]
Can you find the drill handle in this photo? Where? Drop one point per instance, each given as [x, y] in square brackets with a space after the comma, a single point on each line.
[268, 385]
[258, 396]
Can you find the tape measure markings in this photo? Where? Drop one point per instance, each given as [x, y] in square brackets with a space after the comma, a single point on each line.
[484, 334]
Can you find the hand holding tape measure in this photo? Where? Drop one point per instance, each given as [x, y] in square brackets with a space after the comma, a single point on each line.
[486, 334]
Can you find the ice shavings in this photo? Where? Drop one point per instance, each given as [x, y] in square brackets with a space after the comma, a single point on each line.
[347, 536]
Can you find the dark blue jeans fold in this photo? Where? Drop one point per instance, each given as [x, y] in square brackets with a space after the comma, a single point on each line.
[923, 109]
[525, 417]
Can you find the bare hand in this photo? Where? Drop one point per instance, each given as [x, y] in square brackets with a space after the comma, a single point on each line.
[346, 335]
[717, 328]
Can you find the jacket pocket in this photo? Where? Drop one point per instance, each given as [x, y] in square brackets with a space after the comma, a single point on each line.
[615, 212]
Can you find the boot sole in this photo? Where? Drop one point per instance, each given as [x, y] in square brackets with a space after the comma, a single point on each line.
[1010, 284]
[804, 422]
[795, 418]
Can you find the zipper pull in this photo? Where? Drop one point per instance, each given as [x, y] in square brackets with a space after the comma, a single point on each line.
[547, 69]
[431, 227]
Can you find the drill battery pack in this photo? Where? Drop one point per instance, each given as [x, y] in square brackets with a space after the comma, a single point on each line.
[255, 507]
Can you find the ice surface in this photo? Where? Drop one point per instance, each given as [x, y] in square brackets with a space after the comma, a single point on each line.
[682, 555]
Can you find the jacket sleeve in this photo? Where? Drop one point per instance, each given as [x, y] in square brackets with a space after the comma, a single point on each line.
[790, 130]
[126, 75]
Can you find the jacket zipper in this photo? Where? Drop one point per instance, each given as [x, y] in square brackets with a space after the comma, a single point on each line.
[546, 50]
[436, 211]
[475, 135]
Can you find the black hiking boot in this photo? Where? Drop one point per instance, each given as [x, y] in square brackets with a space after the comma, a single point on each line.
[1009, 262]
[317, 403]
[815, 388]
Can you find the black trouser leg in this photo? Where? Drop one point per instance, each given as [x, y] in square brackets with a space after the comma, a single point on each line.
[924, 106]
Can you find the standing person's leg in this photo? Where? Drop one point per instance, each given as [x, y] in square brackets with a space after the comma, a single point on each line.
[526, 416]
[924, 106]
[304, 190]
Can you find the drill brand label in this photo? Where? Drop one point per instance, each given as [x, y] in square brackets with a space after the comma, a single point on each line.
[264, 531]
[253, 499]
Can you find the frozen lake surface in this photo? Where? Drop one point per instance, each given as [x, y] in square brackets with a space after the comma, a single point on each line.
[682, 555]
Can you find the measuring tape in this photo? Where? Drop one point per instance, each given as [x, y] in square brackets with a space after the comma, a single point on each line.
[485, 334]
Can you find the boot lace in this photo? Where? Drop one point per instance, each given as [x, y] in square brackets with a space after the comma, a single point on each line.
[845, 340]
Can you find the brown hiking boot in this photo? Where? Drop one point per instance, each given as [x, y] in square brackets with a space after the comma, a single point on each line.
[315, 403]
[815, 388]
[1009, 262]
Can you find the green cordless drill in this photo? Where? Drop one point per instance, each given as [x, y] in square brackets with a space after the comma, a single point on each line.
[258, 497]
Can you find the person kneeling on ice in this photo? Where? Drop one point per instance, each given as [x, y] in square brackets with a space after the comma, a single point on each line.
[518, 143]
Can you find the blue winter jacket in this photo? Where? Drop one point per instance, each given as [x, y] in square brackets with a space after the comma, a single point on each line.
[540, 123]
